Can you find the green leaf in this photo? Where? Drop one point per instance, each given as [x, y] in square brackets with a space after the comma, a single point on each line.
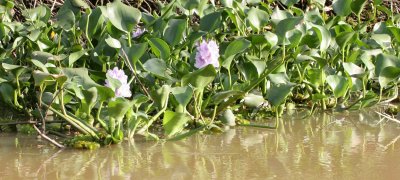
[157, 67]
[160, 48]
[237, 46]
[357, 6]
[257, 18]
[118, 108]
[90, 99]
[135, 52]
[253, 100]
[277, 93]
[316, 76]
[6, 93]
[182, 94]
[345, 38]
[388, 74]
[80, 76]
[73, 57]
[324, 37]
[395, 32]
[96, 20]
[285, 25]
[353, 70]
[224, 95]
[385, 60]
[175, 31]
[16, 70]
[174, 122]
[279, 78]
[201, 77]
[42, 77]
[161, 96]
[66, 18]
[80, 3]
[342, 7]
[114, 43]
[289, 2]
[279, 15]
[41, 13]
[210, 22]
[227, 3]
[122, 16]
[339, 84]
[189, 4]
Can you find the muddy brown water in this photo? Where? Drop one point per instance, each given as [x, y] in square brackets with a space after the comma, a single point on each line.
[327, 146]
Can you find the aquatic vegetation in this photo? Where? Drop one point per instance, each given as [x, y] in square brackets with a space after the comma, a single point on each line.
[199, 64]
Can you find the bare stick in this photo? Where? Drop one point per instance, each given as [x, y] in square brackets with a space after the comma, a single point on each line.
[388, 117]
[47, 138]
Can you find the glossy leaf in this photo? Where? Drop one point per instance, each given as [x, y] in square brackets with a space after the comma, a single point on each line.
[257, 18]
[201, 77]
[339, 85]
[174, 33]
[160, 48]
[157, 67]
[342, 7]
[389, 74]
[210, 22]
[161, 95]
[174, 122]
[277, 93]
[182, 94]
[122, 16]
[385, 60]
[289, 2]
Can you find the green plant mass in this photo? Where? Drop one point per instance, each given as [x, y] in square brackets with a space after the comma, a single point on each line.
[116, 70]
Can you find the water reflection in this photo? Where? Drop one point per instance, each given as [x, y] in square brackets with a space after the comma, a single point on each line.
[326, 146]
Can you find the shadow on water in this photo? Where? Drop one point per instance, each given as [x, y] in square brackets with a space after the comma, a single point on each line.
[325, 146]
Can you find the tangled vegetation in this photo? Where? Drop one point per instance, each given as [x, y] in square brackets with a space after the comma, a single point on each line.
[112, 71]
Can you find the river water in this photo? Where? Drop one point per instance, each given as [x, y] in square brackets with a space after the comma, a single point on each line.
[343, 145]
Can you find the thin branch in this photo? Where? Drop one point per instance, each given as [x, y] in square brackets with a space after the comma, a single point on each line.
[47, 138]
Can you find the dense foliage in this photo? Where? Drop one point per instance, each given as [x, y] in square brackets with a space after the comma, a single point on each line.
[114, 71]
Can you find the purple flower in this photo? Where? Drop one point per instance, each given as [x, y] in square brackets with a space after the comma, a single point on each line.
[138, 32]
[207, 53]
[124, 89]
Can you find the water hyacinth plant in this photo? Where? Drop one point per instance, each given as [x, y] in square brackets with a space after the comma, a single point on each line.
[264, 57]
